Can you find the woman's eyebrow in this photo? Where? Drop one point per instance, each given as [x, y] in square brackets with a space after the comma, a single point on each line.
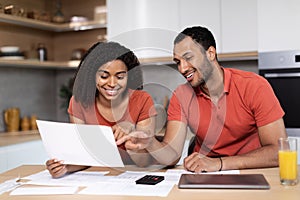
[121, 72]
[101, 70]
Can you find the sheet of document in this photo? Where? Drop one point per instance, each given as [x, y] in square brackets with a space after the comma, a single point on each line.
[82, 178]
[96, 183]
[124, 185]
[175, 174]
[128, 189]
[80, 144]
[44, 190]
[9, 185]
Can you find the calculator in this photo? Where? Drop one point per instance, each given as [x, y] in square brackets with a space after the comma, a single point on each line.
[150, 179]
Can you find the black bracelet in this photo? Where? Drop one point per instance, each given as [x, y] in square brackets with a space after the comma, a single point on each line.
[221, 164]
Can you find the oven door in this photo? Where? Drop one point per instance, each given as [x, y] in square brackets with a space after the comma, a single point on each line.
[286, 85]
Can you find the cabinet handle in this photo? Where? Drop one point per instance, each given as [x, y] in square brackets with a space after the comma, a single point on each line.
[282, 75]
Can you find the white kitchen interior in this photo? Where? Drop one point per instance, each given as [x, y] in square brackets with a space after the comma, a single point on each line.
[242, 29]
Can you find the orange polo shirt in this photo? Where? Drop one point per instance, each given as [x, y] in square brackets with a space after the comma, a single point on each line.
[230, 127]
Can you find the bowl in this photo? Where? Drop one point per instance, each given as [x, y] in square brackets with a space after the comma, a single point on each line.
[9, 49]
[77, 54]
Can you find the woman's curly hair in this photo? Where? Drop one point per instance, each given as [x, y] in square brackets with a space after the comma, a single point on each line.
[84, 89]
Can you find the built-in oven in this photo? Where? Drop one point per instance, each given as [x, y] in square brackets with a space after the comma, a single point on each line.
[282, 70]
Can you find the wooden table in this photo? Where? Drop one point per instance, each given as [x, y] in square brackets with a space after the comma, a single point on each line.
[276, 192]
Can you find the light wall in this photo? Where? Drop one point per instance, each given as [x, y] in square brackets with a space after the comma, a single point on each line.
[34, 91]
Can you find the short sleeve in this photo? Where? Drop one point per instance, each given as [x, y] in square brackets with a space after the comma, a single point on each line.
[75, 109]
[183, 104]
[175, 111]
[264, 103]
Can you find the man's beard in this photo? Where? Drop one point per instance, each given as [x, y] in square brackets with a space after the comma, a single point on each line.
[206, 74]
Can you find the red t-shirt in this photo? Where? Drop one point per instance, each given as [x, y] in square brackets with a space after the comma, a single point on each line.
[140, 107]
[230, 127]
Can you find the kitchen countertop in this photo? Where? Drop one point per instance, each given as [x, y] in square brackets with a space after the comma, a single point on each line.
[18, 137]
[11, 138]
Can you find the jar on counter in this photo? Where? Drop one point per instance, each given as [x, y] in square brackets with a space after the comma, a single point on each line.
[42, 52]
[33, 124]
[25, 124]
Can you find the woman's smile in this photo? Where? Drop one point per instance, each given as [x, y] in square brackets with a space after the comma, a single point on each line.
[112, 92]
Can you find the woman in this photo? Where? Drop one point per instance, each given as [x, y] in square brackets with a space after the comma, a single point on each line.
[106, 92]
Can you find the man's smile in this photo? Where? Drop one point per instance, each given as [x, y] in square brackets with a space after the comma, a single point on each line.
[189, 75]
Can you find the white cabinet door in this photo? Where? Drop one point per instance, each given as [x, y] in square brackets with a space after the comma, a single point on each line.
[26, 153]
[278, 25]
[3, 159]
[149, 26]
[146, 27]
[202, 13]
[239, 25]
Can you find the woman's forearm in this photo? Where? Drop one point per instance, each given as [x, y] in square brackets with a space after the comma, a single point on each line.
[75, 168]
[141, 158]
[163, 153]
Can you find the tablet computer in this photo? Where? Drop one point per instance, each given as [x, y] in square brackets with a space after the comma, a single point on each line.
[223, 181]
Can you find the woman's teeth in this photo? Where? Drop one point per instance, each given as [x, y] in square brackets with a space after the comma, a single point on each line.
[111, 92]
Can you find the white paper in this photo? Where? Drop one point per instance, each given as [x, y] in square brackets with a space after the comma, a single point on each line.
[80, 144]
[173, 175]
[128, 189]
[9, 185]
[82, 178]
[98, 184]
[44, 190]
[124, 185]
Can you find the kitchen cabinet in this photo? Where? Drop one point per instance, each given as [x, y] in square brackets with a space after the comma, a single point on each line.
[202, 13]
[14, 155]
[238, 26]
[149, 27]
[146, 27]
[232, 22]
[278, 25]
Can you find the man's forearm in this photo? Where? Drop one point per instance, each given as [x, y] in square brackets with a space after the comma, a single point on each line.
[266, 156]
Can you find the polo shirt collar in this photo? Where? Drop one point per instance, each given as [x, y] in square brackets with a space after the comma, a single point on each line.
[227, 79]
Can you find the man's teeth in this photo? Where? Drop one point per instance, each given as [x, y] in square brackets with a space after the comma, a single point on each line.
[190, 75]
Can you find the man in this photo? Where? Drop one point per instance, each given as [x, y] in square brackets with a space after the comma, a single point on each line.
[234, 114]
